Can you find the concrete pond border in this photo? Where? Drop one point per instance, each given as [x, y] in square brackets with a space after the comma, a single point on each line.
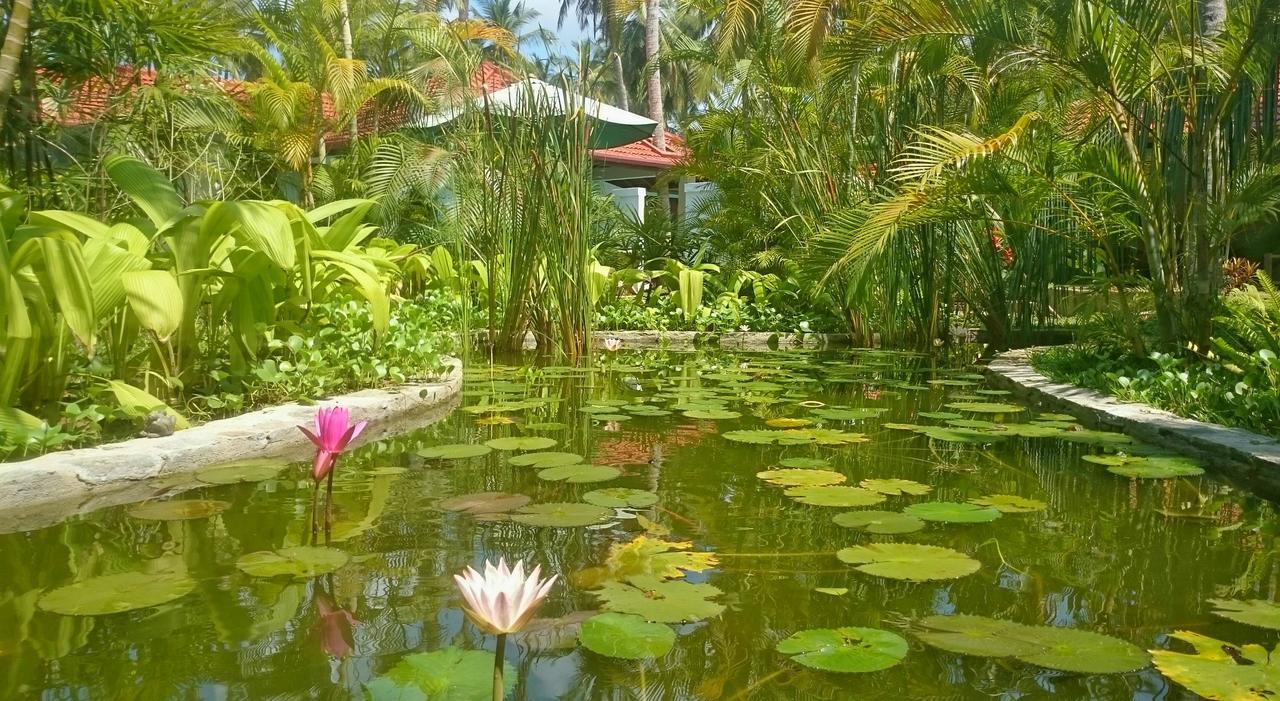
[47, 489]
[735, 340]
[1247, 458]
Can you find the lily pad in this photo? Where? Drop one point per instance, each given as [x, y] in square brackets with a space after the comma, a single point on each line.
[1103, 438]
[832, 591]
[1220, 670]
[449, 674]
[545, 459]
[626, 636]
[858, 414]
[562, 515]
[485, 503]
[521, 443]
[579, 474]
[1055, 417]
[986, 407]
[242, 471]
[940, 415]
[299, 562]
[952, 512]
[767, 437]
[1010, 504]
[455, 451]
[1148, 466]
[661, 601]
[1251, 612]
[643, 555]
[787, 422]
[804, 463]
[909, 561]
[799, 477]
[881, 522]
[950, 434]
[712, 414]
[845, 650]
[621, 497]
[895, 487]
[1064, 649]
[835, 496]
[116, 593]
[179, 509]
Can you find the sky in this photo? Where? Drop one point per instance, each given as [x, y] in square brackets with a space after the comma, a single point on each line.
[548, 15]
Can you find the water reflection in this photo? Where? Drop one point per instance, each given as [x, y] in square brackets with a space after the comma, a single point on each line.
[1135, 559]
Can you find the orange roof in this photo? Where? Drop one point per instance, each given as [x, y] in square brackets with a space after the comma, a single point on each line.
[645, 153]
[92, 100]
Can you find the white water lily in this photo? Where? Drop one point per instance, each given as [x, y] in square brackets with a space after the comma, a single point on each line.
[503, 599]
[612, 344]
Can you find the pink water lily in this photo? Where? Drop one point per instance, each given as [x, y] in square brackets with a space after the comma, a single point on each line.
[334, 432]
[503, 599]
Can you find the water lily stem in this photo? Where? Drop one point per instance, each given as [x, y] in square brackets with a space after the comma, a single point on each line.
[499, 656]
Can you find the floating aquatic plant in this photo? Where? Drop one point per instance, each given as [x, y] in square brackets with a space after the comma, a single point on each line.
[845, 650]
[1064, 649]
[501, 600]
[909, 561]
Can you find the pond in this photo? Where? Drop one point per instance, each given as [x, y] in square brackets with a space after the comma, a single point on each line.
[738, 500]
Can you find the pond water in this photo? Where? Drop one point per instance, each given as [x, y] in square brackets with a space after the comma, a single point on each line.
[1133, 558]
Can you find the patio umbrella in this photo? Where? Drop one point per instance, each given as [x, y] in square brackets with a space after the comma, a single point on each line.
[610, 126]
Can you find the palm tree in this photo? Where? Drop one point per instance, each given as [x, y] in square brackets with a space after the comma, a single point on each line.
[517, 19]
[653, 80]
[15, 38]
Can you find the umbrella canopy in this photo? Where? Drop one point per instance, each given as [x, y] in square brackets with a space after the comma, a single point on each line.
[610, 126]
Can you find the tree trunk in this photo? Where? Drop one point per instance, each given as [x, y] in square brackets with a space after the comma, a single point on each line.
[623, 102]
[652, 37]
[348, 52]
[1213, 18]
[464, 10]
[15, 38]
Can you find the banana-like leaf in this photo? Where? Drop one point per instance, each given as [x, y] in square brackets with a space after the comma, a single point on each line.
[106, 263]
[367, 284]
[67, 278]
[333, 209]
[16, 422]
[147, 187]
[347, 230]
[155, 299]
[259, 225]
[138, 403]
[691, 291]
[76, 222]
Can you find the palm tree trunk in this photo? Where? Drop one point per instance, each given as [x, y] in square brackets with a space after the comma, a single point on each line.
[348, 52]
[464, 10]
[15, 38]
[652, 37]
[623, 102]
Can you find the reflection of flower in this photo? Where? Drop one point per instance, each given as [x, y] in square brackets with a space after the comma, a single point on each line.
[503, 599]
[333, 623]
[332, 436]
[612, 426]
[612, 344]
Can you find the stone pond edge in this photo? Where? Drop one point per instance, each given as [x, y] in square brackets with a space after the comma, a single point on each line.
[1246, 457]
[48, 488]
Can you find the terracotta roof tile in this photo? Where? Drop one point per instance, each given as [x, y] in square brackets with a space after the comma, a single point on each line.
[645, 153]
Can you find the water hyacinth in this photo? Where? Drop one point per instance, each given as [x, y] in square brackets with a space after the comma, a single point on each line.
[501, 601]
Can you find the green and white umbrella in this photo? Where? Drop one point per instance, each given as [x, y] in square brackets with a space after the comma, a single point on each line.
[610, 126]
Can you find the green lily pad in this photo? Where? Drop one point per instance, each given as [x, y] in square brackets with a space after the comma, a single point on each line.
[798, 477]
[881, 522]
[834, 496]
[952, 512]
[562, 515]
[1251, 612]
[827, 436]
[957, 435]
[845, 650]
[626, 636]
[1010, 504]
[1148, 466]
[449, 674]
[660, 601]
[977, 424]
[1064, 649]
[804, 463]
[858, 414]
[1031, 430]
[545, 459]
[485, 503]
[612, 417]
[986, 407]
[621, 497]
[1220, 670]
[832, 591]
[116, 593]
[712, 414]
[768, 437]
[579, 474]
[300, 562]
[455, 451]
[939, 415]
[241, 471]
[909, 561]
[178, 509]
[895, 487]
[521, 443]
[1055, 417]
[1102, 438]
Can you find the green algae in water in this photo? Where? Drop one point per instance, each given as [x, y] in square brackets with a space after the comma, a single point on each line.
[685, 531]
